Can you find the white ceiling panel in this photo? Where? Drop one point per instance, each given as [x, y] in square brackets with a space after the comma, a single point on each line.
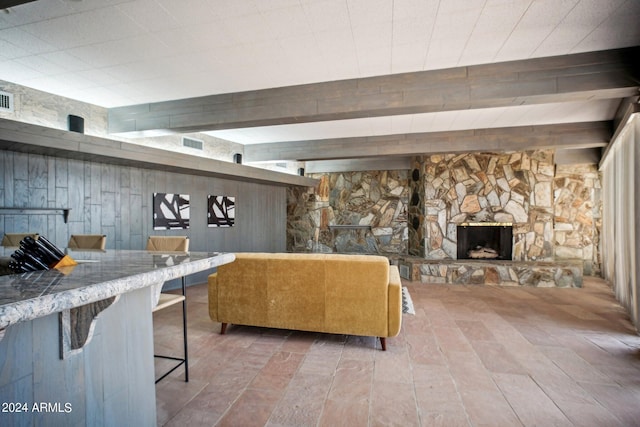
[9, 50]
[115, 52]
[415, 9]
[327, 15]
[13, 70]
[533, 28]
[367, 12]
[86, 28]
[149, 15]
[287, 22]
[69, 62]
[412, 30]
[407, 57]
[122, 52]
[577, 25]
[192, 12]
[19, 16]
[492, 29]
[372, 35]
[38, 62]
[619, 29]
[28, 43]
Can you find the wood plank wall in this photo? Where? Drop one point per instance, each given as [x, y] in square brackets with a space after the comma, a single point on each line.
[117, 201]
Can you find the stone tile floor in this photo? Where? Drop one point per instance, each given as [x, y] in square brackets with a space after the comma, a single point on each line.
[470, 356]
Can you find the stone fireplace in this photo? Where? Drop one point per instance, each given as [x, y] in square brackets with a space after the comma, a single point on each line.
[483, 188]
[414, 217]
[485, 241]
[497, 219]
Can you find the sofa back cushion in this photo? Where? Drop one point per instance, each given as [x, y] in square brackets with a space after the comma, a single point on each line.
[357, 293]
[316, 292]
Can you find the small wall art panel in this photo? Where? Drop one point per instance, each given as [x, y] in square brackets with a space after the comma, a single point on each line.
[221, 211]
[170, 211]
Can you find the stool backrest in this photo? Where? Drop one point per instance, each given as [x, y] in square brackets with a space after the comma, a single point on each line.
[87, 241]
[168, 243]
[14, 239]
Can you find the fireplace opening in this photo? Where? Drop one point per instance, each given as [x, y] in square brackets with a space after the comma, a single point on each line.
[485, 242]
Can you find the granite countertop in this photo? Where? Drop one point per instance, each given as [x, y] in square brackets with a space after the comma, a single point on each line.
[98, 275]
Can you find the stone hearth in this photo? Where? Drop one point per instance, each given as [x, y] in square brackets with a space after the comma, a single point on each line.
[564, 274]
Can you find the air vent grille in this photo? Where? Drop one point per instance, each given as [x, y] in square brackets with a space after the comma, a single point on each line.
[192, 143]
[6, 102]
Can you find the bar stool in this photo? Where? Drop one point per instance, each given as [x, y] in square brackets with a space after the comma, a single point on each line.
[173, 244]
[87, 241]
[14, 239]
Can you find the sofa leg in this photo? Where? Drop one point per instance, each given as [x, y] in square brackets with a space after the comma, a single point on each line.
[223, 328]
[383, 343]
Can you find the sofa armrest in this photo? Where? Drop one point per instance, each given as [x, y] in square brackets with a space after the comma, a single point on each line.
[213, 296]
[395, 301]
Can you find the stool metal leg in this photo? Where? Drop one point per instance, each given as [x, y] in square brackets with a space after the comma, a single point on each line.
[184, 360]
[184, 329]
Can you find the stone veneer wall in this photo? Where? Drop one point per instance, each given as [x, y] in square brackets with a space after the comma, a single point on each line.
[512, 188]
[577, 215]
[372, 198]
[555, 209]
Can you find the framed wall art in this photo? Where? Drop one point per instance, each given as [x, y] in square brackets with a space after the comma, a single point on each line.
[170, 211]
[221, 211]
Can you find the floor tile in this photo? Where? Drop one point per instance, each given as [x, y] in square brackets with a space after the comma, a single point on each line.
[471, 356]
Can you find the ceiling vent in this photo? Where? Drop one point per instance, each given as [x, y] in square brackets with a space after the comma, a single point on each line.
[192, 143]
[6, 102]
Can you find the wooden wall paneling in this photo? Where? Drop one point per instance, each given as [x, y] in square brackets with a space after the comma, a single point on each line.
[16, 379]
[110, 186]
[136, 239]
[57, 381]
[3, 163]
[38, 224]
[140, 368]
[117, 201]
[8, 177]
[20, 192]
[75, 190]
[123, 213]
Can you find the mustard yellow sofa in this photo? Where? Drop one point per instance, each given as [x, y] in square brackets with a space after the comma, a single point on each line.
[330, 293]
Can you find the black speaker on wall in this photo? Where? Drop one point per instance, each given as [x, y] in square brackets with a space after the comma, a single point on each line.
[76, 123]
[301, 171]
[237, 158]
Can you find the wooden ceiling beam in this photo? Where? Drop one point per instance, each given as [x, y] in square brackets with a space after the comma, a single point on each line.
[567, 135]
[578, 77]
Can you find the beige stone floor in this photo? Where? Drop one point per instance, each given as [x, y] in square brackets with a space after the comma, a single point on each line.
[470, 356]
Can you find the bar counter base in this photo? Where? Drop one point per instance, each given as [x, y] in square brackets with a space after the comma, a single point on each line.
[109, 382]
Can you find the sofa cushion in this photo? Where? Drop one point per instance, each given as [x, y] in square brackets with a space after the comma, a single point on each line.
[356, 294]
[333, 293]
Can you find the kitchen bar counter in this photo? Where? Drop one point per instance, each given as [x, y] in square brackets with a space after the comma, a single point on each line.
[77, 343]
[98, 275]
